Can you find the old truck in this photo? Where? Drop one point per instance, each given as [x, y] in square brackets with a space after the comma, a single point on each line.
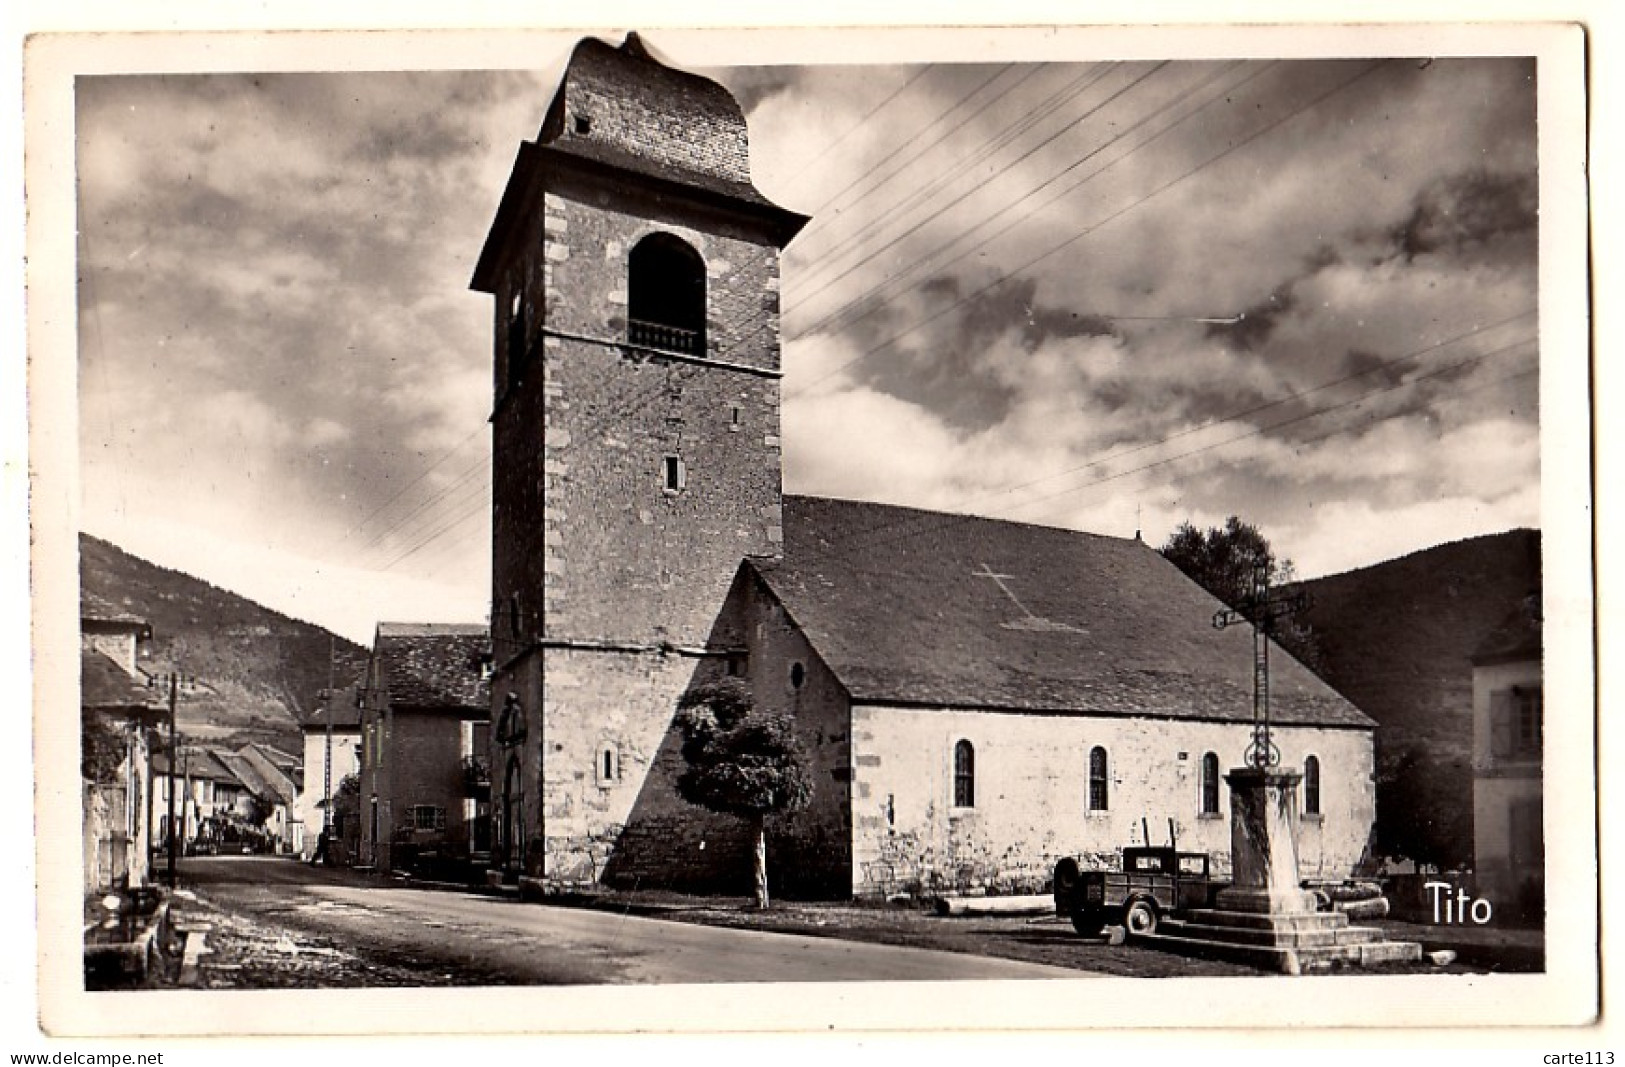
[1155, 882]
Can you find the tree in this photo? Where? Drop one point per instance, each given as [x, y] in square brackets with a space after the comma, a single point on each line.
[1222, 560]
[740, 761]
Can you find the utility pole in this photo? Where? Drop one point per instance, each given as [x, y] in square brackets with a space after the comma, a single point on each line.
[1262, 609]
[327, 757]
[174, 681]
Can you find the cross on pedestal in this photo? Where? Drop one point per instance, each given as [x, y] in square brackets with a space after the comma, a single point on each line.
[1261, 610]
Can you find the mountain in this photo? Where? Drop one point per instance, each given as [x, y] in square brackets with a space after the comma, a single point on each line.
[1397, 639]
[258, 672]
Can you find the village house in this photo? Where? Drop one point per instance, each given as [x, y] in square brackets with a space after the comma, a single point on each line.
[118, 716]
[327, 762]
[1509, 851]
[204, 789]
[424, 717]
[977, 698]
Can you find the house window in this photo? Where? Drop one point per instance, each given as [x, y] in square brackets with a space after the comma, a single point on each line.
[735, 418]
[373, 820]
[1210, 784]
[676, 474]
[1311, 786]
[583, 125]
[737, 664]
[798, 675]
[608, 767]
[666, 295]
[1515, 723]
[1098, 796]
[428, 817]
[1526, 839]
[964, 775]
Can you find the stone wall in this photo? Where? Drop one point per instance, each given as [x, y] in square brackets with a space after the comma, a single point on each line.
[607, 583]
[628, 827]
[809, 851]
[1031, 796]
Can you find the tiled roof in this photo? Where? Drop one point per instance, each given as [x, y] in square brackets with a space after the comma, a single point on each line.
[241, 770]
[646, 117]
[195, 764]
[434, 665]
[104, 684]
[93, 607]
[277, 784]
[1517, 637]
[923, 608]
[205, 764]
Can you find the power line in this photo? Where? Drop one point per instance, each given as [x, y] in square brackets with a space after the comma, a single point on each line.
[806, 168]
[867, 303]
[1090, 113]
[1261, 430]
[924, 149]
[458, 447]
[905, 145]
[1210, 161]
[868, 536]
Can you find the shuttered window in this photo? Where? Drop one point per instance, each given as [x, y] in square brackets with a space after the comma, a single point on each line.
[1515, 723]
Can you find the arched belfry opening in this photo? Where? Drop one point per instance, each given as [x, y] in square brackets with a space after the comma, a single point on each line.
[666, 295]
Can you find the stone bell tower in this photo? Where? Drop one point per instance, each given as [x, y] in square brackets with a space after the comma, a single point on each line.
[635, 271]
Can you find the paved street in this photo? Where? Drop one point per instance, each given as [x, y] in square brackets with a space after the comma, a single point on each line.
[362, 932]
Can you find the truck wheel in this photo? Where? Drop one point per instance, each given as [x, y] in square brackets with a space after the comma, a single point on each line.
[1087, 921]
[1140, 917]
[1066, 877]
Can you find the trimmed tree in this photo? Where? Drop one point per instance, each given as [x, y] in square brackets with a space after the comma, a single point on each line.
[741, 762]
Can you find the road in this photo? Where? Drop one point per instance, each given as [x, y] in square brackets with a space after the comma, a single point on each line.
[449, 935]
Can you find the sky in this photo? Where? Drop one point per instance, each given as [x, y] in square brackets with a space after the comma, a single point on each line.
[1109, 296]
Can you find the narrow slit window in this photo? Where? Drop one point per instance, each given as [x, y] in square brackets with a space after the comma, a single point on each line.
[1311, 786]
[1210, 784]
[735, 418]
[964, 775]
[1098, 792]
[676, 474]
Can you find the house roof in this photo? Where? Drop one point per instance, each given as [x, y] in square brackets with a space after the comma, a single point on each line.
[434, 665]
[277, 784]
[924, 608]
[346, 707]
[104, 685]
[1516, 637]
[258, 777]
[195, 764]
[95, 608]
[203, 763]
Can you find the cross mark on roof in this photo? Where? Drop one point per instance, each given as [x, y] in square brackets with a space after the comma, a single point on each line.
[1030, 621]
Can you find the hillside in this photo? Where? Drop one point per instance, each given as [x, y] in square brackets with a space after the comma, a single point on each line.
[258, 671]
[1396, 638]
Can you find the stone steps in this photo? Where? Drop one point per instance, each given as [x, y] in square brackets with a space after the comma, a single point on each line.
[1291, 937]
[1285, 959]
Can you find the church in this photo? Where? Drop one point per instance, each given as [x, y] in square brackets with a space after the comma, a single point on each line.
[976, 698]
